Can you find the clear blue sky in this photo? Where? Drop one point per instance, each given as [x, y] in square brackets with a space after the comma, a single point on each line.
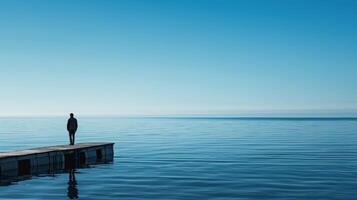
[177, 57]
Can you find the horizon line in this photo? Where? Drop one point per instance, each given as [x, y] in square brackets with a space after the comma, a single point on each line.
[352, 117]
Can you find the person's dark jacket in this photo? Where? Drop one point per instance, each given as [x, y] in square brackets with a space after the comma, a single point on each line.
[72, 124]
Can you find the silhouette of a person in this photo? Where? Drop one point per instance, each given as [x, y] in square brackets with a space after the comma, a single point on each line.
[72, 191]
[72, 126]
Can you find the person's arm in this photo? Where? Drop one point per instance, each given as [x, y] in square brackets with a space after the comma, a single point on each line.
[68, 125]
[76, 124]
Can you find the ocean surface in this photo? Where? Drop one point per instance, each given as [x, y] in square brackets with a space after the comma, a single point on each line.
[196, 158]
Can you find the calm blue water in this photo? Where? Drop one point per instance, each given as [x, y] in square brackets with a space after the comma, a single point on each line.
[158, 158]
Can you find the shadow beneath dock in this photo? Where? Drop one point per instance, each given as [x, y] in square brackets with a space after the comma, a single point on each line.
[70, 163]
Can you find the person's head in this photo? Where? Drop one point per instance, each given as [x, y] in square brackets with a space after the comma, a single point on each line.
[71, 115]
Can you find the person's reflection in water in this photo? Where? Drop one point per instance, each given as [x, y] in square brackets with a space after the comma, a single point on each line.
[72, 192]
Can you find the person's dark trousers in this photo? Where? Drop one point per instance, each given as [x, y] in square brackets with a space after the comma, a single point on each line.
[71, 136]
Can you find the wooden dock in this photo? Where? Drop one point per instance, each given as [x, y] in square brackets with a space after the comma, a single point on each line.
[53, 158]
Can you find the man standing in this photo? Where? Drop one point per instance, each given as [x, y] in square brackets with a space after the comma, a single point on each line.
[72, 126]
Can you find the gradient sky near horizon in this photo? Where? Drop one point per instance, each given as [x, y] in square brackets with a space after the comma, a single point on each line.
[177, 57]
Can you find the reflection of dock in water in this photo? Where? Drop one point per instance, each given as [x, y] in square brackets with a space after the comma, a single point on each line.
[22, 164]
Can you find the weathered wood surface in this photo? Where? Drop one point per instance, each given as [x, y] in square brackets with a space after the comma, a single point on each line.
[25, 152]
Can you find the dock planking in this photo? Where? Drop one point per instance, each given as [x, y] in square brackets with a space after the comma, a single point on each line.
[46, 160]
[48, 149]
